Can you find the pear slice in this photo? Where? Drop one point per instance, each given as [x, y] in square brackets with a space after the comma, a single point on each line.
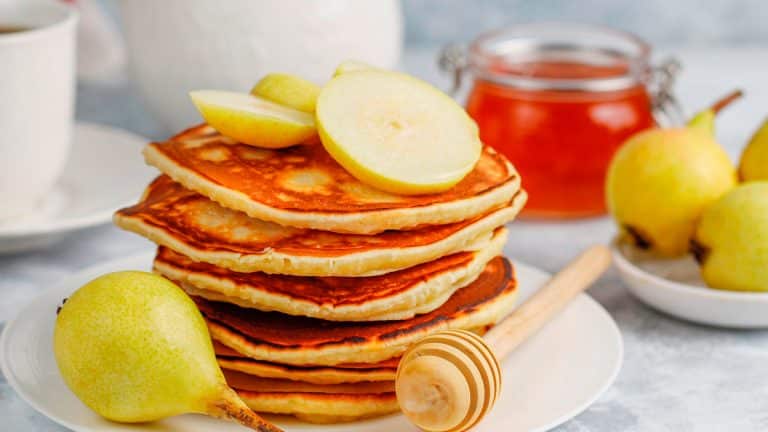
[396, 133]
[253, 120]
[288, 90]
[352, 66]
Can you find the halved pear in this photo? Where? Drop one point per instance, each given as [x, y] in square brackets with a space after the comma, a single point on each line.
[288, 90]
[396, 133]
[352, 66]
[253, 120]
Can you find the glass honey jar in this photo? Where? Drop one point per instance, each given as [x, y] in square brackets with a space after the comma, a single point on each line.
[558, 100]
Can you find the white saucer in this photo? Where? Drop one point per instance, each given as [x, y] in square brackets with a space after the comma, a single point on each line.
[105, 171]
[674, 286]
[548, 380]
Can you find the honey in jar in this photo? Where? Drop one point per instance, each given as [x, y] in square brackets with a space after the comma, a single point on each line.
[558, 101]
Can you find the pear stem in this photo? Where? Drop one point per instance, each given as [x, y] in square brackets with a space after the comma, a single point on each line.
[726, 100]
[231, 407]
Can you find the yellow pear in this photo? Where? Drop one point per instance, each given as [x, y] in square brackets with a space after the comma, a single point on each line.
[754, 160]
[731, 242]
[288, 90]
[134, 348]
[705, 119]
[661, 180]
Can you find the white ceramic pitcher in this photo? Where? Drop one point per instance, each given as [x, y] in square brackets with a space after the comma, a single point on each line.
[175, 46]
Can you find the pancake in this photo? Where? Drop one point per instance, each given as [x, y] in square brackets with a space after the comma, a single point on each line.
[279, 338]
[322, 408]
[243, 381]
[197, 227]
[225, 351]
[309, 374]
[317, 403]
[304, 187]
[343, 373]
[393, 296]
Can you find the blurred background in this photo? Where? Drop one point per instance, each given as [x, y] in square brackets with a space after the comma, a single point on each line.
[661, 22]
[699, 31]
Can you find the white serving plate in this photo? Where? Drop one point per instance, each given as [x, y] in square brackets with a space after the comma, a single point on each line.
[551, 378]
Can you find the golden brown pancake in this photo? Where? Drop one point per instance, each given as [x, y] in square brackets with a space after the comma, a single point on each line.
[343, 373]
[243, 381]
[223, 351]
[197, 227]
[279, 338]
[393, 296]
[321, 407]
[310, 374]
[315, 402]
[304, 187]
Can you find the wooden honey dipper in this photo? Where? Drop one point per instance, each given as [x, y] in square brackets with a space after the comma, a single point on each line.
[448, 381]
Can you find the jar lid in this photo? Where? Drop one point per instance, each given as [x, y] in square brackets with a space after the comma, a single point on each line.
[557, 56]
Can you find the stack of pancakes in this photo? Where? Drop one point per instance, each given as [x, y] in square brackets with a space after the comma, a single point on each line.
[313, 283]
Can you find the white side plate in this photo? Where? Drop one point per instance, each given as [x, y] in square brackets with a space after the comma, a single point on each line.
[551, 378]
[105, 172]
[674, 286]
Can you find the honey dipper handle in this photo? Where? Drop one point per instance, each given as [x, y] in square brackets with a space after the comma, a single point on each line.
[549, 300]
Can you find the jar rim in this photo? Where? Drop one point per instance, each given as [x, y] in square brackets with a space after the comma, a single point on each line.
[578, 42]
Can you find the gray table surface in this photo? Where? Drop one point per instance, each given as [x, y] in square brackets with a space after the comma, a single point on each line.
[676, 376]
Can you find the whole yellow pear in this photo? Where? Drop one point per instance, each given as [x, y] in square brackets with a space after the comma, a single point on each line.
[731, 242]
[660, 182]
[133, 347]
[754, 160]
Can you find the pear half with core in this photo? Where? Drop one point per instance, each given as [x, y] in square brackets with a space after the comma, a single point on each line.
[661, 180]
[288, 90]
[754, 160]
[731, 242]
[134, 348]
[254, 120]
[396, 133]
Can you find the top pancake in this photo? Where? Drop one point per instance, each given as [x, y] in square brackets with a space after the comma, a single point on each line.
[304, 187]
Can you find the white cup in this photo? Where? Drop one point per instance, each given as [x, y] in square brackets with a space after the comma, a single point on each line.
[37, 88]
